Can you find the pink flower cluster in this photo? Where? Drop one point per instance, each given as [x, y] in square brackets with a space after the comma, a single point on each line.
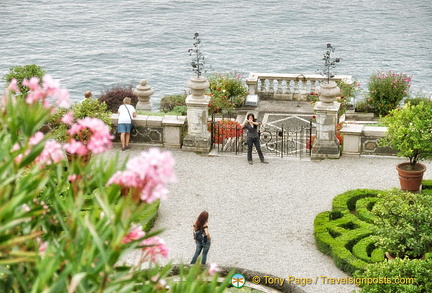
[135, 234]
[150, 172]
[51, 154]
[50, 89]
[89, 135]
[152, 247]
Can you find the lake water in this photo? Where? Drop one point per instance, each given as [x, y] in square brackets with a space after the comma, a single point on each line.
[98, 44]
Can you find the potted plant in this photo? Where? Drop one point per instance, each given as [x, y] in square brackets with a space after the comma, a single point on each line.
[402, 224]
[410, 134]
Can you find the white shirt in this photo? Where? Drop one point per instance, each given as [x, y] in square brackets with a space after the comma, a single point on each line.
[123, 116]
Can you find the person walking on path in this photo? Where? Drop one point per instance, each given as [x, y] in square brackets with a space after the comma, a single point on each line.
[251, 125]
[125, 114]
[202, 237]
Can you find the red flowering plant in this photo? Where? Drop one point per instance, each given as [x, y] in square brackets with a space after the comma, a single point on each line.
[224, 129]
[386, 90]
[50, 239]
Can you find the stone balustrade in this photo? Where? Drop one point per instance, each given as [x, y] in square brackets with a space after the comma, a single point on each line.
[163, 131]
[296, 87]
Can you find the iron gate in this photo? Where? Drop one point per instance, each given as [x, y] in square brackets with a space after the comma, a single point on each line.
[277, 140]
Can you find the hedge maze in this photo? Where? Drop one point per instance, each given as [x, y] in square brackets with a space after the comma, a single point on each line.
[345, 233]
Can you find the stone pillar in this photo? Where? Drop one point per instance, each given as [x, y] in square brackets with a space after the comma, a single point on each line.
[198, 138]
[143, 91]
[326, 144]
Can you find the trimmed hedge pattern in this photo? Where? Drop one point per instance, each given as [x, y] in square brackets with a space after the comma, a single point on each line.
[344, 233]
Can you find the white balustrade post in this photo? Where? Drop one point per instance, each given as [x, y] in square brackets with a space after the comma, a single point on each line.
[326, 145]
[143, 91]
[198, 137]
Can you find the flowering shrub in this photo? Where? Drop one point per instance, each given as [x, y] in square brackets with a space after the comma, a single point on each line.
[386, 90]
[65, 227]
[224, 129]
[62, 119]
[227, 92]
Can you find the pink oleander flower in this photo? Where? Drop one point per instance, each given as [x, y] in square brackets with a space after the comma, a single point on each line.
[50, 88]
[32, 84]
[13, 86]
[73, 177]
[153, 247]
[43, 246]
[89, 135]
[36, 138]
[76, 147]
[26, 208]
[135, 234]
[68, 118]
[213, 269]
[51, 154]
[150, 172]
[49, 84]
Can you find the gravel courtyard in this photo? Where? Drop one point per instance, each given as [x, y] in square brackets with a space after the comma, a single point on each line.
[261, 215]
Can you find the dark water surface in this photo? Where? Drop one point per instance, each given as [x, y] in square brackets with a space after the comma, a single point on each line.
[97, 44]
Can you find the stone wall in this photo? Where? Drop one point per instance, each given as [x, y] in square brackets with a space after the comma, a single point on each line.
[360, 139]
[163, 131]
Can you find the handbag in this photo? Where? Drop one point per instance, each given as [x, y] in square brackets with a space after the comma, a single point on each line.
[134, 130]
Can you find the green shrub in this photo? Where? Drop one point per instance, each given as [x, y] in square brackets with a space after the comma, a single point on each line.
[227, 92]
[403, 225]
[398, 275]
[344, 236]
[22, 72]
[87, 108]
[169, 103]
[113, 97]
[417, 100]
[364, 209]
[346, 202]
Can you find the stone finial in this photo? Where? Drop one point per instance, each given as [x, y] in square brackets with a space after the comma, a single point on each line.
[143, 91]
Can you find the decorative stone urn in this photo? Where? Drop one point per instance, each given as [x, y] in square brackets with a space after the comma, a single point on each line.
[328, 92]
[143, 91]
[198, 138]
[326, 144]
[198, 86]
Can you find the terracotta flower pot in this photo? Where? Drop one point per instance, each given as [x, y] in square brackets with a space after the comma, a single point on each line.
[135, 193]
[83, 160]
[410, 178]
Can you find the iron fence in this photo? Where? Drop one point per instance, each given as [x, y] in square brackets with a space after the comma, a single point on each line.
[281, 141]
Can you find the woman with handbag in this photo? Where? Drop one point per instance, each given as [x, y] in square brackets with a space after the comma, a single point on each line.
[201, 237]
[125, 114]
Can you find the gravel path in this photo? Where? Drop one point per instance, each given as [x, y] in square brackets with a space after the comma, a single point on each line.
[261, 216]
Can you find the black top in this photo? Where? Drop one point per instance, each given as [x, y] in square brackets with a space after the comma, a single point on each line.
[252, 131]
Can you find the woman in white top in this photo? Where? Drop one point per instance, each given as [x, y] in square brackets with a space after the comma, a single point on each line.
[125, 114]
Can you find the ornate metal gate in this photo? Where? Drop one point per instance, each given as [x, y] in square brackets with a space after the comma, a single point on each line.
[279, 136]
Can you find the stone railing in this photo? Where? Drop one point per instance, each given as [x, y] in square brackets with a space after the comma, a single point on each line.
[163, 131]
[360, 139]
[275, 86]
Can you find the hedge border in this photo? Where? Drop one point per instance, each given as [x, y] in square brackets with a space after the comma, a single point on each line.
[344, 235]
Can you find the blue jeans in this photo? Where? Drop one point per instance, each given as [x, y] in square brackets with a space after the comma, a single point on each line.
[205, 248]
[254, 141]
